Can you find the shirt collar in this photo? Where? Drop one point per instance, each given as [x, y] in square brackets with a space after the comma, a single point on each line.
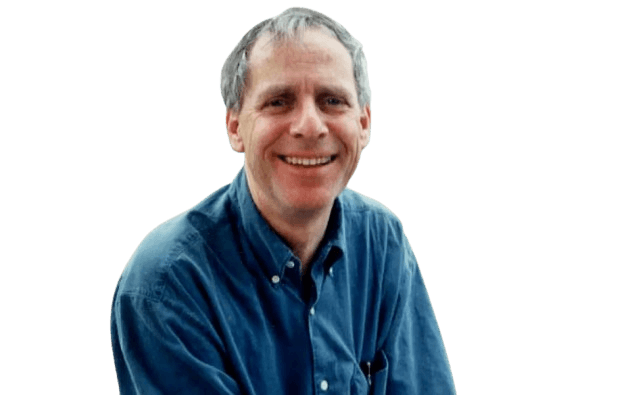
[271, 250]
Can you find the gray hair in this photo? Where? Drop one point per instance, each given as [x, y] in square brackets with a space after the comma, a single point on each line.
[290, 25]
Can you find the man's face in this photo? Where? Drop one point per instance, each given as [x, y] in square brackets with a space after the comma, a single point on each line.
[300, 124]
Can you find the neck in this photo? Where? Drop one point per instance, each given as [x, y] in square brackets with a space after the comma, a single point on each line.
[302, 230]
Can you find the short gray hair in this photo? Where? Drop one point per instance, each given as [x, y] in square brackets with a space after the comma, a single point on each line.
[289, 25]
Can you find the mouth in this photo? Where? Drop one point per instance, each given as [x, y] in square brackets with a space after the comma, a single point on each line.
[308, 162]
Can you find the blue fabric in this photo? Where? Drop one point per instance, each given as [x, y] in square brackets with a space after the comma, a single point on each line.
[212, 302]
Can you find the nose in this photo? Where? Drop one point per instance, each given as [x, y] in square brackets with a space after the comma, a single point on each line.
[308, 122]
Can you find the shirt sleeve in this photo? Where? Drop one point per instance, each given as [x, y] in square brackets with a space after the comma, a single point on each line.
[416, 357]
[161, 348]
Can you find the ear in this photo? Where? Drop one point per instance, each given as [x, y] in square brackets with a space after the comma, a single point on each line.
[232, 127]
[365, 124]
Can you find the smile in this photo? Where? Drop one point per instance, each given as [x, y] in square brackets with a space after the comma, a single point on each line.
[307, 161]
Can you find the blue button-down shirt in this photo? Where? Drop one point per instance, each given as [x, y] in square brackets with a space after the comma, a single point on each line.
[213, 302]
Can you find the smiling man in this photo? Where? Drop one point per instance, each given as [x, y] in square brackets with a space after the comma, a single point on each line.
[283, 282]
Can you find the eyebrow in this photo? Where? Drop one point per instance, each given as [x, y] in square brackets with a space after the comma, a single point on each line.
[334, 91]
[274, 90]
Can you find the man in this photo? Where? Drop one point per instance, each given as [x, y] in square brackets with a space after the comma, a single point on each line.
[283, 282]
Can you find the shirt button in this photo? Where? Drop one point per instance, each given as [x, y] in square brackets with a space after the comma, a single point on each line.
[324, 385]
[331, 271]
[312, 311]
[275, 279]
[290, 264]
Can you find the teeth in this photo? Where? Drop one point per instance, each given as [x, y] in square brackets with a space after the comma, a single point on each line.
[307, 161]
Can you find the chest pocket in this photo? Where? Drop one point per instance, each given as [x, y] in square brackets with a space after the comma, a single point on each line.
[379, 376]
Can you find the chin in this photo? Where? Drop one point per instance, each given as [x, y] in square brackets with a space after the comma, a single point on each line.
[310, 201]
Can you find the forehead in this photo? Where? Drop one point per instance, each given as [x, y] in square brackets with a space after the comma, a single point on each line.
[315, 51]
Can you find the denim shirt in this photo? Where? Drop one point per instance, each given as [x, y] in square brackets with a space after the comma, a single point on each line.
[213, 302]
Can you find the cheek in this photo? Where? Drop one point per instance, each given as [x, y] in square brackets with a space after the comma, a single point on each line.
[268, 137]
[252, 137]
[350, 135]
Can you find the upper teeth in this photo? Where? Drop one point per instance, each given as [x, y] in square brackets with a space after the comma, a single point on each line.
[308, 161]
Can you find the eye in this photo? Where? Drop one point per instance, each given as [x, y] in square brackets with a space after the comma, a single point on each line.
[333, 101]
[277, 103]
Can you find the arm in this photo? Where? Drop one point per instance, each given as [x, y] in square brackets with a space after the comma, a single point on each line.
[162, 348]
[415, 354]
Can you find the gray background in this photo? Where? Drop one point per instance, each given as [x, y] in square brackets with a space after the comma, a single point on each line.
[501, 137]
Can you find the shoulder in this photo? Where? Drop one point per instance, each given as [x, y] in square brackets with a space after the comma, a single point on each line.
[148, 270]
[370, 223]
[360, 208]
